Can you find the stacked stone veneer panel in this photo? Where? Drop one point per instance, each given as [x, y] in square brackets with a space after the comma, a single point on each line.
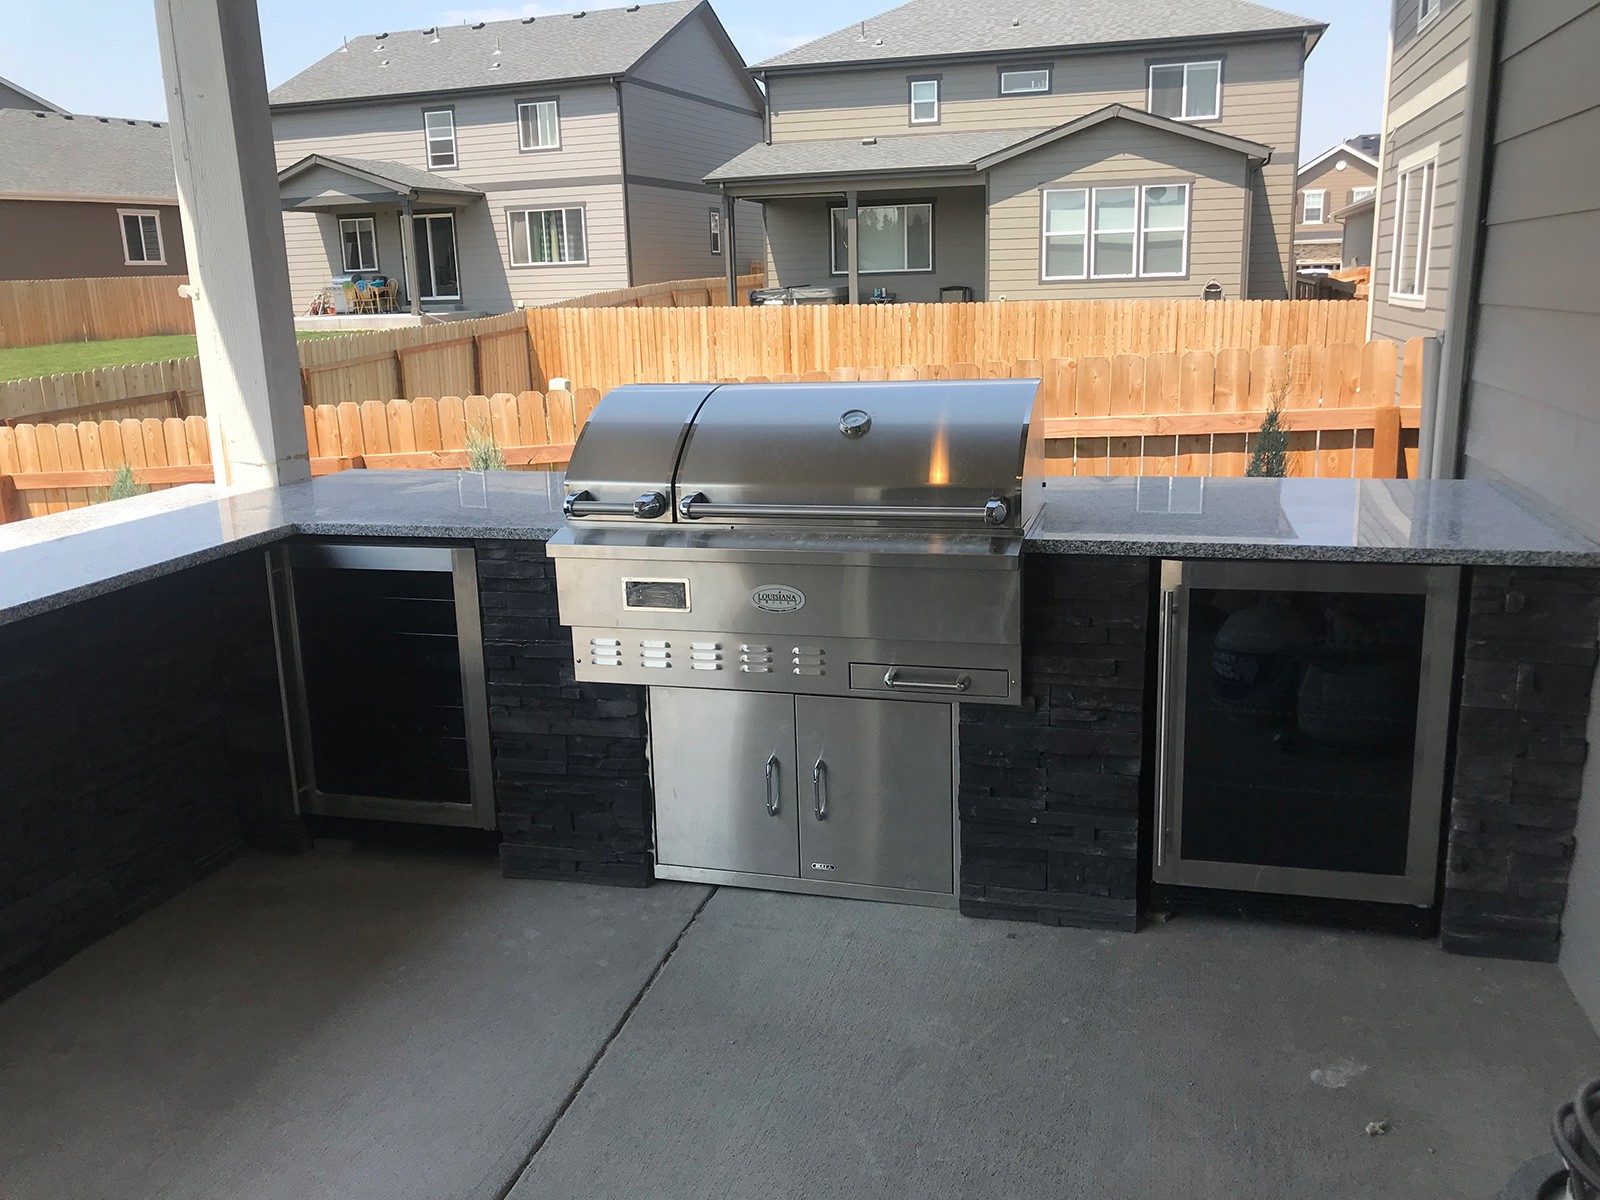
[1529, 661]
[571, 773]
[1051, 792]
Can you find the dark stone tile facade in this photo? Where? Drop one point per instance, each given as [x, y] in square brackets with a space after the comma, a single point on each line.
[1529, 661]
[1051, 792]
[571, 776]
[142, 747]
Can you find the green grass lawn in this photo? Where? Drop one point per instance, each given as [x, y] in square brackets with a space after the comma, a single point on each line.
[24, 362]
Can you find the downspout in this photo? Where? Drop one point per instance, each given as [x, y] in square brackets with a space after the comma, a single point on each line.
[1450, 400]
[622, 158]
[766, 108]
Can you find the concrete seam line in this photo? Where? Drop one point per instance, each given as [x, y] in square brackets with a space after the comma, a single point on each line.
[588, 1070]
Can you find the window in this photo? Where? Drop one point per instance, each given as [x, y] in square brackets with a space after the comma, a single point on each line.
[546, 236]
[1116, 233]
[439, 132]
[1026, 82]
[141, 238]
[894, 237]
[1427, 10]
[1413, 233]
[538, 125]
[1315, 202]
[1065, 254]
[924, 101]
[359, 237]
[1357, 195]
[1186, 91]
[716, 231]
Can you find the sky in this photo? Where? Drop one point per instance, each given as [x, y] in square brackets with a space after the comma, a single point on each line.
[100, 56]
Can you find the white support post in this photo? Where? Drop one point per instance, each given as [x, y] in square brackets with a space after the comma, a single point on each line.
[228, 198]
[408, 256]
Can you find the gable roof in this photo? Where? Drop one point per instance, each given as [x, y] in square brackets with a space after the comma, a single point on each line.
[598, 43]
[944, 153]
[1350, 148]
[951, 28]
[54, 154]
[394, 176]
[35, 101]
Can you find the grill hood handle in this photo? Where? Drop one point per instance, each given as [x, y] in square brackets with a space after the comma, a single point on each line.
[695, 507]
[647, 507]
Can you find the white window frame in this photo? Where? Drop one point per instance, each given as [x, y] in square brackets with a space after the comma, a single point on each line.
[526, 214]
[1322, 206]
[1183, 101]
[1424, 165]
[522, 143]
[1045, 235]
[429, 138]
[1357, 195]
[1044, 91]
[1427, 10]
[715, 215]
[912, 101]
[905, 235]
[161, 242]
[1095, 231]
[372, 224]
[1188, 222]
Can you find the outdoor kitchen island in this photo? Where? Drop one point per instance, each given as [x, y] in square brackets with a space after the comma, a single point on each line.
[119, 799]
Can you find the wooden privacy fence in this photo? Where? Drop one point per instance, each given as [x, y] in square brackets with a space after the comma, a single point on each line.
[38, 312]
[458, 357]
[602, 348]
[709, 292]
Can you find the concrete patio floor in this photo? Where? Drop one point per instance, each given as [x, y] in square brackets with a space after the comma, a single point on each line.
[381, 1025]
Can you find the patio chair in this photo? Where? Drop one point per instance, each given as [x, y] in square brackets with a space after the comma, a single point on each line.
[366, 297]
[388, 296]
[351, 298]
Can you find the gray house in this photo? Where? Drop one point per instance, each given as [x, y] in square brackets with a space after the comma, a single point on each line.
[1035, 150]
[515, 162]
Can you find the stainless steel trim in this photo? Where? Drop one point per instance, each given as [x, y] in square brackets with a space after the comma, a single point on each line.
[474, 684]
[819, 790]
[291, 687]
[890, 680]
[1169, 605]
[807, 886]
[773, 794]
[359, 556]
[695, 507]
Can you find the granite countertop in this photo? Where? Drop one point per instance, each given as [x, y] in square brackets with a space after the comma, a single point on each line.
[50, 562]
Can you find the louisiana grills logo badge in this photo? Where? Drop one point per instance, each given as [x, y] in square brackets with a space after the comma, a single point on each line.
[775, 598]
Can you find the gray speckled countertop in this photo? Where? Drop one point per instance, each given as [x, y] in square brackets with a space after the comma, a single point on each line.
[50, 562]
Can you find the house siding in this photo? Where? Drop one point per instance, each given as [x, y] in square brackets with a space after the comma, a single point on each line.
[11, 98]
[1434, 59]
[49, 239]
[672, 141]
[586, 170]
[1339, 186]
[1261, 99]
[1532, 415]
[1118, 152]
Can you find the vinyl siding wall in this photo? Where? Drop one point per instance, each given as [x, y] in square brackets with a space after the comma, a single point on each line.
[799, 243]
[1118, 152]
[671, 142]
[48, 239]
[1261, 97]
[1435, 59]
[1533, 416]
[586, 171]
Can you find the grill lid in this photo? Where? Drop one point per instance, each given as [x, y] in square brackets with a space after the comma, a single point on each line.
[623, 463]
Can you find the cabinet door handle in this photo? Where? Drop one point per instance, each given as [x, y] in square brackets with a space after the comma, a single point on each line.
[891, 679]
[819, 789]
[772, 786]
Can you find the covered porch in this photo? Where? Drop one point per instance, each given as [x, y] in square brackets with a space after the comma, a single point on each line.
[375, 221]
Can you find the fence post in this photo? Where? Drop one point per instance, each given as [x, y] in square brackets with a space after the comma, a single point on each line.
[1386, 442]
[10, 501]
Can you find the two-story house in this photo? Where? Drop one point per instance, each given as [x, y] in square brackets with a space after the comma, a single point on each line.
[516, 162]
[1035, 150]
[1329, 185]
[1425, 118]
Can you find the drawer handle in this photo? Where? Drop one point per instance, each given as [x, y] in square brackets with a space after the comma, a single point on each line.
[819, 789]
[892, 680]
[772, 786]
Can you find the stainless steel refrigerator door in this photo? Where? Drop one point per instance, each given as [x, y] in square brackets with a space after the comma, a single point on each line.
[875, 793]
[725, 780]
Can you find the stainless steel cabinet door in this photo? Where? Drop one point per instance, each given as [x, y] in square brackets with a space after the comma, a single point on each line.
[875, 792]
[725, 780]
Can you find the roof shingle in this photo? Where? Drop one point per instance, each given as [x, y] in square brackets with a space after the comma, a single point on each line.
[939, 28]
[51, 154]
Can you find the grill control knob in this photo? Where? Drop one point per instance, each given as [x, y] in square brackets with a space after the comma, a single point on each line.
[855, 423]
[996, 511]
[650, 506]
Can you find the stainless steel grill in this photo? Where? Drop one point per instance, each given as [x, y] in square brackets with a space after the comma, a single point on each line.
[776, 560]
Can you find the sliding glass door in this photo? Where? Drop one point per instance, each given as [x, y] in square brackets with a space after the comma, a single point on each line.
[438, 275]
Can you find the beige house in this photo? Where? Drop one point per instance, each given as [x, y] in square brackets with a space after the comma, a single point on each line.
[1331, 183]
[1034, 151]
[518, 162]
